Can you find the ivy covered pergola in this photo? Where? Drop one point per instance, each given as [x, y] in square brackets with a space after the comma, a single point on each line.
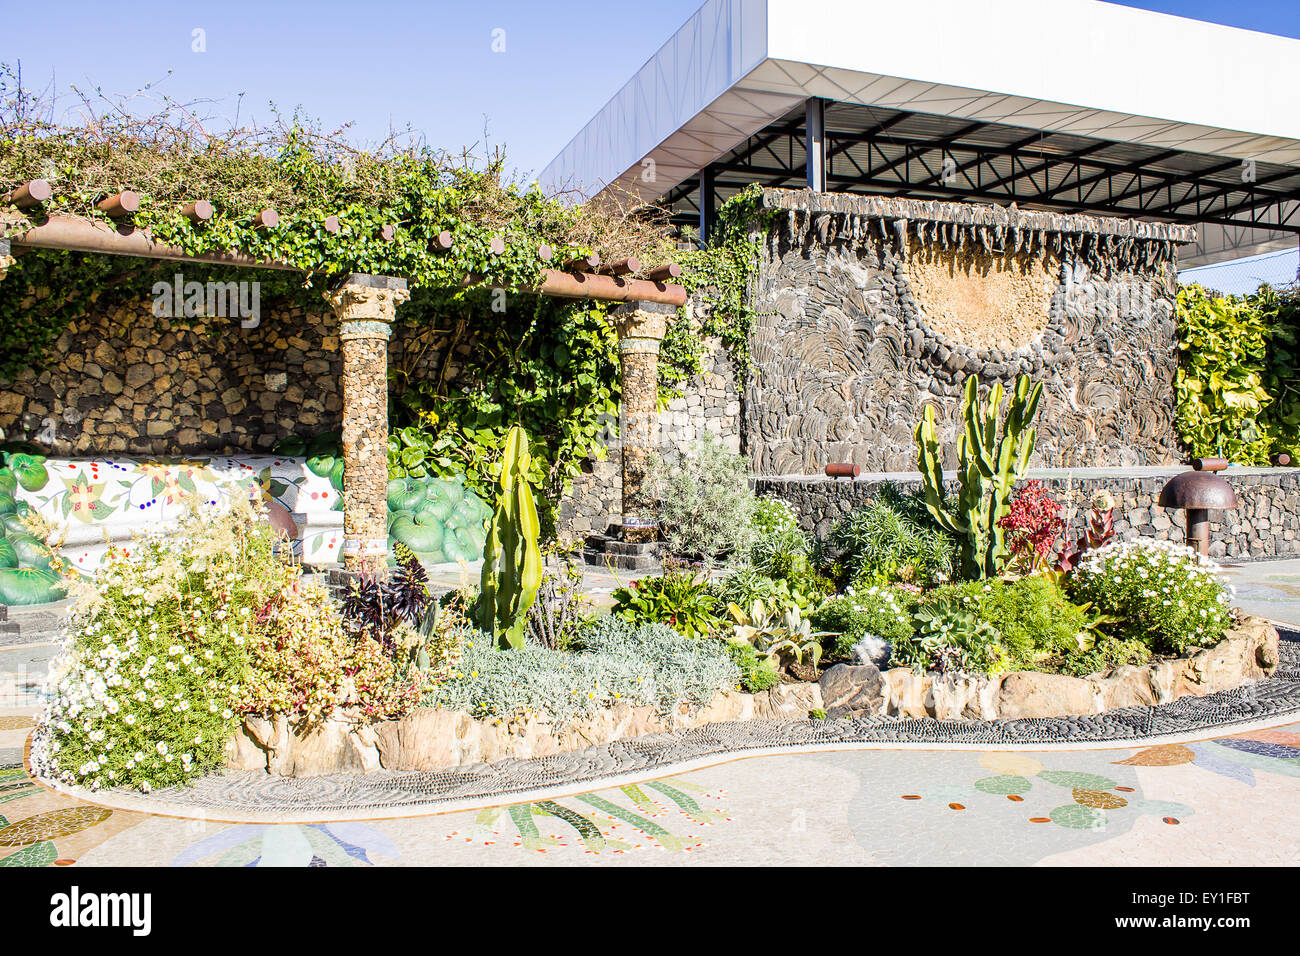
[364, 304]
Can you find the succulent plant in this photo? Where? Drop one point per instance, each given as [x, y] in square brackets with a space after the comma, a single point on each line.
[988, 466]
[512, 559]
[780, 636]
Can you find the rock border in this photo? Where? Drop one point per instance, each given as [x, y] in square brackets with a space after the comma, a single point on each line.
[1247, 652]
[434, 739]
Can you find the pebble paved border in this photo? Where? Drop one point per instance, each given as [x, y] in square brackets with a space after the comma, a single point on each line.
[258, 797]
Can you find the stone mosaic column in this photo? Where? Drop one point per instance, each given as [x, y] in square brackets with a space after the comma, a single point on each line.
[365, 306]
[641, 327]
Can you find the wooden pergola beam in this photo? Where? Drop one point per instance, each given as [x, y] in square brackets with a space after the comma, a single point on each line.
[29, 194]
[83, 235]
[585, 285]
[71, 234]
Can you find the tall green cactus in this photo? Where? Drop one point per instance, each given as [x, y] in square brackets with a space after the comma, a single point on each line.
[988, 467]
[512, 560]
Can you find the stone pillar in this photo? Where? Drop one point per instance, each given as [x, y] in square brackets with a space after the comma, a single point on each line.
[6, 259]
[641, 327]
[365, 306]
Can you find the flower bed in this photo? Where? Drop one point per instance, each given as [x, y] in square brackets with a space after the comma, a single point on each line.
[432, 738]
[206, 648]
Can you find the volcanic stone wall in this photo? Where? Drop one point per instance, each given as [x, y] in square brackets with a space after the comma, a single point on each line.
[122, 381]
[870, 308]
[1265, 524]
[710, 402]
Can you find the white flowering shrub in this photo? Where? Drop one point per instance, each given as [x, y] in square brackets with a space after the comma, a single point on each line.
[155, 655]
[880, 615]
[1160, 593]
[779, 543]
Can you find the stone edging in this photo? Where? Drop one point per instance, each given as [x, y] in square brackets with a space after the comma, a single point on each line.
[430, 739]
[261, 797]
[1248, 652]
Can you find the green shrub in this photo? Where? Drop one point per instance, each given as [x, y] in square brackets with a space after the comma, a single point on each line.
[1161, 594]
[746, 585]
[680, 599]
[703, 502]
[1103, 655]
[1033, 616]
[892, 538]
[757, 672]
[780, 548]
[881, 612]
[649, 665]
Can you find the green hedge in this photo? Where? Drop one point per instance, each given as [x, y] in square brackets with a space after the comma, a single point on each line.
[1237, 389]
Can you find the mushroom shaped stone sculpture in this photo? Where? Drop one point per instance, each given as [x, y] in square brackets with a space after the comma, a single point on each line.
[1198, 493]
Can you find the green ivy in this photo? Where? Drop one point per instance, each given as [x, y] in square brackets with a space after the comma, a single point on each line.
[1281, 309]
[1238, 384]
[718, 278]
[1219, 390]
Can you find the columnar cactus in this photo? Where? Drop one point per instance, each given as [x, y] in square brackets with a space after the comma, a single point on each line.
[988, 468]
[512, 560]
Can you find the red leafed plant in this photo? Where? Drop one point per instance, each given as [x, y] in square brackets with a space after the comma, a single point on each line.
[1032, 525]
[1099, 530]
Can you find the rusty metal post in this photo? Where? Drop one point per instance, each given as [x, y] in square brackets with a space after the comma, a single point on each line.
[1198, 530]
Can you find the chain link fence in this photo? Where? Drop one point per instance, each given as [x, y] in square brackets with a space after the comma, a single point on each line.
[1244, 276]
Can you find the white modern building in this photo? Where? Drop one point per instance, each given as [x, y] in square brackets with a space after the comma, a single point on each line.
[1066, 105]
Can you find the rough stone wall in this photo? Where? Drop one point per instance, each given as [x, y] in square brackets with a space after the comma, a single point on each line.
[127, 382]
[1266, 523]
[848, 348]
[709, 402]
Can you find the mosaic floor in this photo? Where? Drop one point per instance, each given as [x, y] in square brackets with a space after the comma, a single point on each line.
[1270, 589]
[1203, 781]
[1232, 799]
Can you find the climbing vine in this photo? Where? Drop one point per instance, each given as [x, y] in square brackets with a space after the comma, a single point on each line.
[1237, 389]
[718, 278]
[549, 365]
[314, 180]
[473, 360]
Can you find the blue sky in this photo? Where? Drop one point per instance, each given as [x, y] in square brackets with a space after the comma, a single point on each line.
[429, 65]
[426, 64]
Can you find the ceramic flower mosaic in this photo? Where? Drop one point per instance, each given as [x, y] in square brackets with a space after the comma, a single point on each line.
[98, 503]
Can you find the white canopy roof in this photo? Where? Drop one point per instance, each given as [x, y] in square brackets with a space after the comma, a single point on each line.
[1077, 67]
